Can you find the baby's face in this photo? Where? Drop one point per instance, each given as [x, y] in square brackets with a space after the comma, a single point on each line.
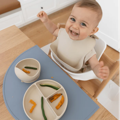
[81, 23]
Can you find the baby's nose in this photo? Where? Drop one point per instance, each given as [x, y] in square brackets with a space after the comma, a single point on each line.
[75, 26]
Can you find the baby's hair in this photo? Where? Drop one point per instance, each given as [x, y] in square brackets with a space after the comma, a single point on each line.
[91, 4]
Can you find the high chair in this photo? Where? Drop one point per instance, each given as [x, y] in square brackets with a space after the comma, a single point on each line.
[93, 85]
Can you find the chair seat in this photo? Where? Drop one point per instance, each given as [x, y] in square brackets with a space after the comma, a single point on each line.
[8, 5]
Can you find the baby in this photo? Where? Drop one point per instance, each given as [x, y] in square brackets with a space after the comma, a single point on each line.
[76, 42]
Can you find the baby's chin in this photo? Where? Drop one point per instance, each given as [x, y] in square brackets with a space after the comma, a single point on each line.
[73, 37]
[76, 38]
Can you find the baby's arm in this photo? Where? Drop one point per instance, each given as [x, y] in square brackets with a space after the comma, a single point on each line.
[48, 23]
[99, 69]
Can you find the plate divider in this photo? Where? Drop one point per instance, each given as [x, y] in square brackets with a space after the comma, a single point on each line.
[50, 105]
[57, 117]
[39, 90]
[53, 93]
[45, 98]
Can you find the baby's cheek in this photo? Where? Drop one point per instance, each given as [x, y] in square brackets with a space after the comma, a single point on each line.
[83, 34]
[67, 29]
[67, 26]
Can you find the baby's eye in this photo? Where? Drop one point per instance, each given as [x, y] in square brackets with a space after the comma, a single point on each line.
[83, 24]
[72, 19]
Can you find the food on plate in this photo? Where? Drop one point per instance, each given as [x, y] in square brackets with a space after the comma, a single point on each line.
[28, 67]
[60, 103]
[47, 85]
[26, 71]
[32, 108]
[34, 105]
[43, 112]
[31, 101]
[54, 97]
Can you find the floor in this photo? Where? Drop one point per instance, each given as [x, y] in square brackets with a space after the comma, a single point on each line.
[37, 32]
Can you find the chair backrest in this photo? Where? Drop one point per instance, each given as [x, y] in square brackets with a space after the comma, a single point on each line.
[94, 87]
[100, 47]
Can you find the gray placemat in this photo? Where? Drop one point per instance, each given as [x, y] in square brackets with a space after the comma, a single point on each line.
[80, 105]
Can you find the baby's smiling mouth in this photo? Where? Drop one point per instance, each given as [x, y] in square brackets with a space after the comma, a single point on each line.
[74, 33]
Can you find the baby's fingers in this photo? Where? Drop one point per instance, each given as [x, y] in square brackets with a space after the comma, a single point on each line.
[104, 71]
[103, 76]
[105, 68]
[40, 14]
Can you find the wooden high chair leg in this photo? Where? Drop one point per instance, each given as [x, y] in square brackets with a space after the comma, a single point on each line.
[114, 69]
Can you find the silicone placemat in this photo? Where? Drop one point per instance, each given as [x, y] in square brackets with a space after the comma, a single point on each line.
[80, 105]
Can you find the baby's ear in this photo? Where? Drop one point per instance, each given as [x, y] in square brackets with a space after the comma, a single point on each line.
[94, 31]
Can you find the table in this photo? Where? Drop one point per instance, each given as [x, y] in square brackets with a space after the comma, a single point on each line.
[12, 43]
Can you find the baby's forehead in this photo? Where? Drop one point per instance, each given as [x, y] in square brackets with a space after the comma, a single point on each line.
[83, 9]
[84, 13]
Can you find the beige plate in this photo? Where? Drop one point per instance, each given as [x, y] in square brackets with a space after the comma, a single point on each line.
[35, 92]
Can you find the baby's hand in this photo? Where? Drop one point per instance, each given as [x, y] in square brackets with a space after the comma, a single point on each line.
[101, 71]
[43, 16]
